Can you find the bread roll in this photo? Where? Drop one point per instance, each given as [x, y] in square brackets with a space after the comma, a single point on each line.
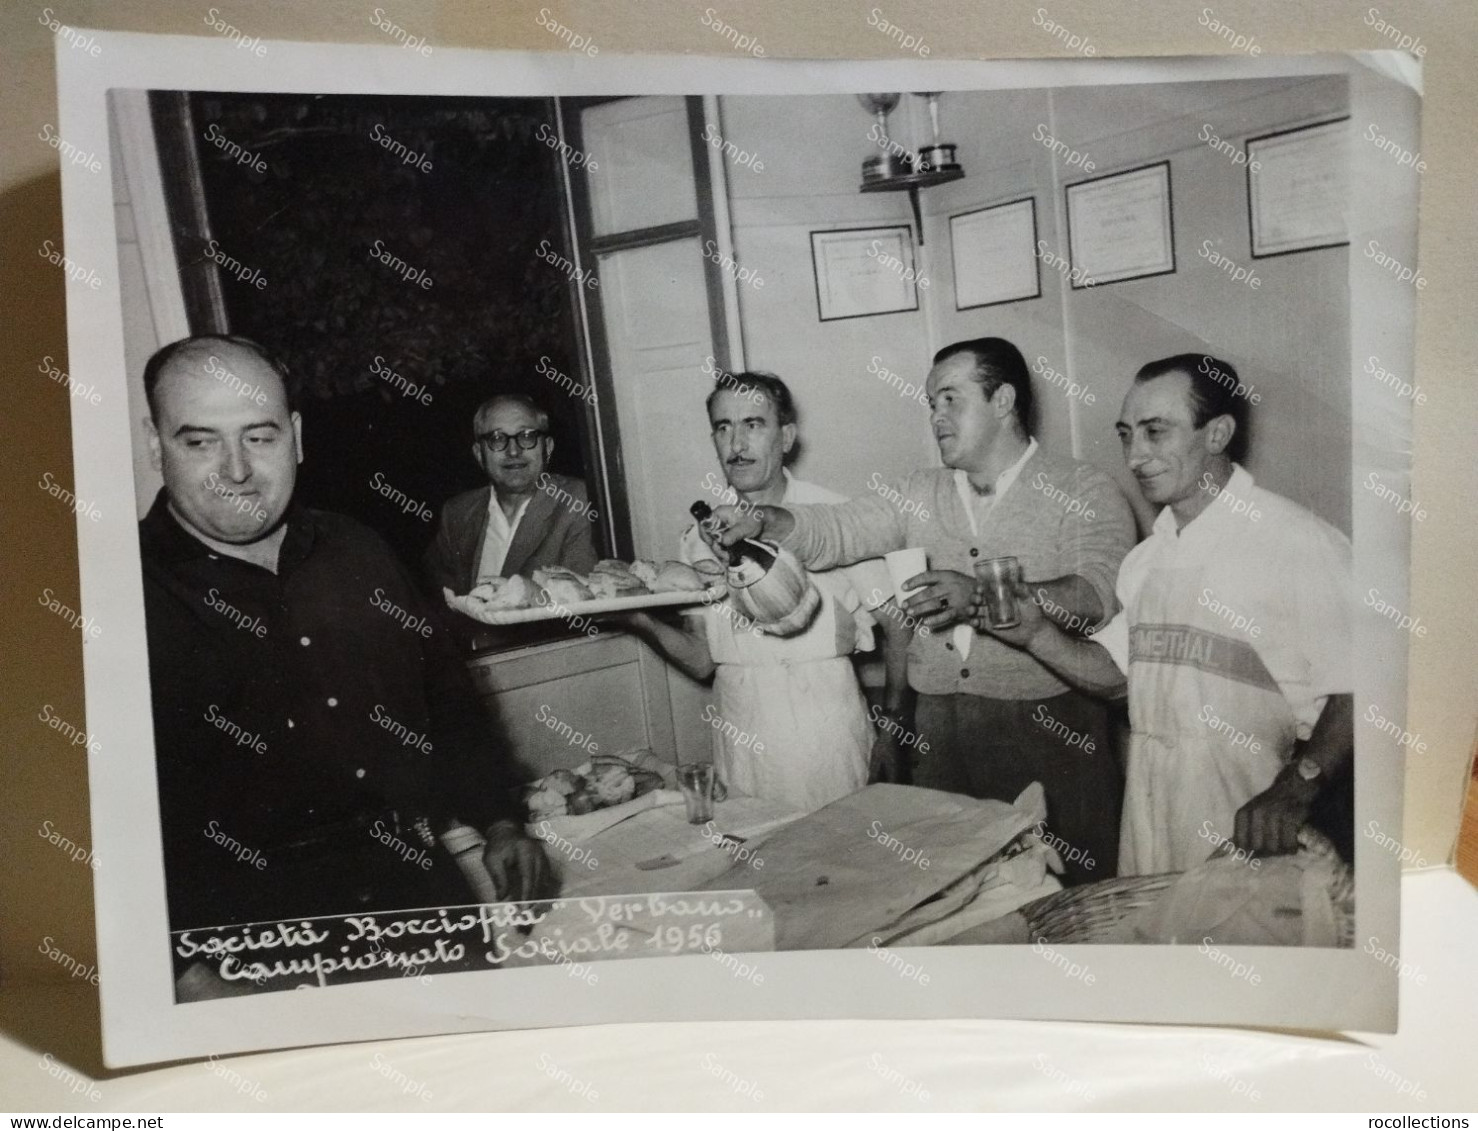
[503, 593]
[678, 577]
[564, 586]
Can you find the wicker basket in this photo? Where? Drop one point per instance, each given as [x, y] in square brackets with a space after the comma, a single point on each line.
[1091, 913]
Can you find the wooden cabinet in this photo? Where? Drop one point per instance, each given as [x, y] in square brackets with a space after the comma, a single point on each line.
[557, 703]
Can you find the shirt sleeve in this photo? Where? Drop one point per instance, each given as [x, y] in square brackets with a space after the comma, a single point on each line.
[1095, 541]
[1114, 637]
[475, 780]
[839, 534]
[1321, 576]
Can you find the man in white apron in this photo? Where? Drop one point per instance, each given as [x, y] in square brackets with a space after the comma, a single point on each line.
[790, 722]
[1233, 642]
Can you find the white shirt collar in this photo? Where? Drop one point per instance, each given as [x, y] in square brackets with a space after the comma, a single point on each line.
[1003, 481]
[1239, 488]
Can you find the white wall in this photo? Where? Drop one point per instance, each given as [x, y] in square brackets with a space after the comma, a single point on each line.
[1289, 337]
[852, 423]
[152, 302]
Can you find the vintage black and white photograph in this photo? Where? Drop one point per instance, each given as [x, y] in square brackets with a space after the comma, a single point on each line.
[549, 559]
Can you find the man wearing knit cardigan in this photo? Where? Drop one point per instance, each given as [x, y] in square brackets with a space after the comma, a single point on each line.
[994, 718]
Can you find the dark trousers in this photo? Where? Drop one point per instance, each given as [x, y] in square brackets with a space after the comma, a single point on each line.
[995, 748]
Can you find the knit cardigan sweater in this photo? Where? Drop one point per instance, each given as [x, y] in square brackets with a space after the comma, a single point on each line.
[1059, 517]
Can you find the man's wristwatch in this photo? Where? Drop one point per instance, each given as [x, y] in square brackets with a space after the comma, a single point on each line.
[1309, 770]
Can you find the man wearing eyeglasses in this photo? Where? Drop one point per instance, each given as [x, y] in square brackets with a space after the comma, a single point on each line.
[526, 518]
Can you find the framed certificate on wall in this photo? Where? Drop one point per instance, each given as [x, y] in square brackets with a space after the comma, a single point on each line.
[1296, 185]
[862, 271]
[1119, 226]
[993, 252]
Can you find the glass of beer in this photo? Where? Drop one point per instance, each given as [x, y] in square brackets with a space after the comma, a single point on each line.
[696, 779]
[998, 578]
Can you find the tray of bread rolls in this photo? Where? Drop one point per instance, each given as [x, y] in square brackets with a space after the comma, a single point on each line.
[612, 586]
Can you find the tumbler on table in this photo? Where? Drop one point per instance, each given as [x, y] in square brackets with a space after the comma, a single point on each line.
[696, 779]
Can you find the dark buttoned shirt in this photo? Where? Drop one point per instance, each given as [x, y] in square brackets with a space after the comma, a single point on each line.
[308, 723]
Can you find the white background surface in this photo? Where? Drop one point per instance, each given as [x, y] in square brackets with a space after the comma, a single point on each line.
[820, 1065]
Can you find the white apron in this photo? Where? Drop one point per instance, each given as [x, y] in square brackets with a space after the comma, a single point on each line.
[797, 728]
[1193, 683]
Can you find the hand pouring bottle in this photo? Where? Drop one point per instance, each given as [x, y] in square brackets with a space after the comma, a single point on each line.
[767, 584]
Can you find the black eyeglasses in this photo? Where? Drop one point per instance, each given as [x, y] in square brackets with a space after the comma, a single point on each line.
[498, 441]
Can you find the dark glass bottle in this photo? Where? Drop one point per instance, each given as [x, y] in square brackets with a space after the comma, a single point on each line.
[748, 560]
